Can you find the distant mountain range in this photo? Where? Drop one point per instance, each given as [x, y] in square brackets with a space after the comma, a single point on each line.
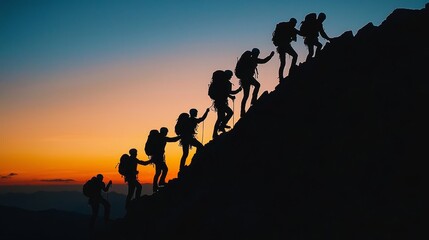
[20, 224]
[55, 214]
[71, 201]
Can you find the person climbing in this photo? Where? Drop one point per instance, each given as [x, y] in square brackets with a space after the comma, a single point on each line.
[158, 158]
[283, 35]
[224, 112]
[131, 177]
[310, 29]
[188, 139]
[95, 199]
[245, 70]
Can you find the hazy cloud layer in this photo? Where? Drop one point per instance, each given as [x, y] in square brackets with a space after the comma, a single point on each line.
[58, 180]
[8, 176]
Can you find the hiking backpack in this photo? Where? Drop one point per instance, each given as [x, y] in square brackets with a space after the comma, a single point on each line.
[245, 66]
[308, 25]
[214, 89]
[218, 89]
[124, 167]
[282, 33]
[90, 187]
[183, 124]
[152, 142]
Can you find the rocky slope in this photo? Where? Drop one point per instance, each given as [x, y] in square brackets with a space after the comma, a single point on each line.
[337, 151]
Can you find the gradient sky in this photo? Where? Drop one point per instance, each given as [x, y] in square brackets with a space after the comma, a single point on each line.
[83, 81]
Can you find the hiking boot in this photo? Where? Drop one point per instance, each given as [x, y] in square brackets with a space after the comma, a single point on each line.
[163, 184]
[215, 136]
[222, 129]
[180, 173]
[253, 101]
[292, 70]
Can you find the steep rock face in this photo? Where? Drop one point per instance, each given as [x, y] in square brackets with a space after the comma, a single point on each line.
[335, 152]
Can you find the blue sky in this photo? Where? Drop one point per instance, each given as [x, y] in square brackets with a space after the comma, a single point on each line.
[49, 34]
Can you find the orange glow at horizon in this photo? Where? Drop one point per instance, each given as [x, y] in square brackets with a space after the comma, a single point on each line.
[67, 127]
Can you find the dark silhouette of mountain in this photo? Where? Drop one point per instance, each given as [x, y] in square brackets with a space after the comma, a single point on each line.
[338, 149]
[71, 201]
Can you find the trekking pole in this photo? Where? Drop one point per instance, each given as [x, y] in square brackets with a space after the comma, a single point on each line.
[202, 134]
[233, 112]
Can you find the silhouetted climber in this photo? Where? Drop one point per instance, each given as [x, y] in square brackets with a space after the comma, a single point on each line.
[245, 70]
[131, 175]
[187, 136]
[283, 35]
[94, 187]
[310, 29]
[158, 158]
[224, 112]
